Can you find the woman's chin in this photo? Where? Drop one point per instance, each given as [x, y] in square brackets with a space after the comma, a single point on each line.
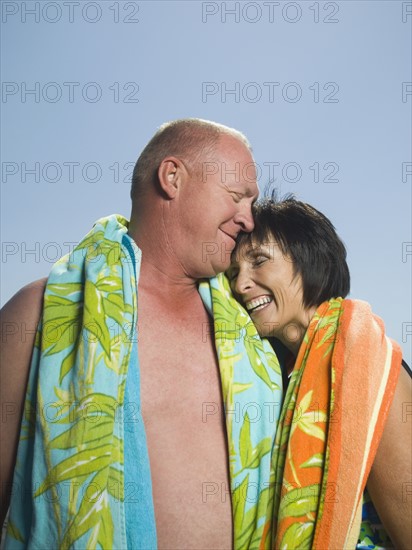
[264, 320]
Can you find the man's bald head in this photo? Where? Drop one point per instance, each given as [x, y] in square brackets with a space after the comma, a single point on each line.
[192, 140]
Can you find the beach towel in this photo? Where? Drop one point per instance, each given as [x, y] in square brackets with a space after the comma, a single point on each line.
[331, 423]
[82, 477]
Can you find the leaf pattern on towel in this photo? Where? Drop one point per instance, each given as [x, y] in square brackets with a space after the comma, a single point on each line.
[85, 335]
[251, 378]
[300, 454]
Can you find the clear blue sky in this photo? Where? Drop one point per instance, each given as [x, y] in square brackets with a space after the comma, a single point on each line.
[316, 86]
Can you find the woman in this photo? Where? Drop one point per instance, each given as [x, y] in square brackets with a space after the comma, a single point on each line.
[292, 277]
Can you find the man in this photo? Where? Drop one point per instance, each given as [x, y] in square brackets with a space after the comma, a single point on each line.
[193, 188]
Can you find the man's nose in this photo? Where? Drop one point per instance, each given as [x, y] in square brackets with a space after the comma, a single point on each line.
[245, 219]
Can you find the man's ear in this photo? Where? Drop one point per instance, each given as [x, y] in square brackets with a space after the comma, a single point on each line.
[170, 174]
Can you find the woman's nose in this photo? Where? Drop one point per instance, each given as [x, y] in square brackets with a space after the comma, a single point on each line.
[243, 282]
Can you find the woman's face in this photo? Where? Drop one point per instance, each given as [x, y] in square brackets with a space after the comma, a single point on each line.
[263, 280]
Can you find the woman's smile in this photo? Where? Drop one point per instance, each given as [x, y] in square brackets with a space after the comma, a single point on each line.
[257, 304]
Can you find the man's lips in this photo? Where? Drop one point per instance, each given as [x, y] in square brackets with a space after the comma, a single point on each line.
[258, 303]
[233, 237]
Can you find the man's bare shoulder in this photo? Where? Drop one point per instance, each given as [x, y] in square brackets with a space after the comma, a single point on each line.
[25, 305]
[18, 319]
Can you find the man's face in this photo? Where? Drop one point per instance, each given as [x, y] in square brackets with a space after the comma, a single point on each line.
[214, 207]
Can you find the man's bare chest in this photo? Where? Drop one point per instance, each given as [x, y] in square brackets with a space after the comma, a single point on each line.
[180, 385]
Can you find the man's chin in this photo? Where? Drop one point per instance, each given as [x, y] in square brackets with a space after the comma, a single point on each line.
[220, 267]
[208, 272]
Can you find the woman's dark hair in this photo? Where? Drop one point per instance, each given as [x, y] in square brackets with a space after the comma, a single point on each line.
[309, 239]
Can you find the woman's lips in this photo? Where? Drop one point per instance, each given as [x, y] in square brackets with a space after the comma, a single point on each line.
[258, 303]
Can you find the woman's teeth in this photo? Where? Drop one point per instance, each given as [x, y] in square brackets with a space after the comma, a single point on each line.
[258, 303]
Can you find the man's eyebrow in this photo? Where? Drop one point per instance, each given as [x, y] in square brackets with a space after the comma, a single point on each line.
[250, 193]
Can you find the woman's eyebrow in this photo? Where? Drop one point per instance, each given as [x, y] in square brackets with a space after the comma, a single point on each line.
[247, 254]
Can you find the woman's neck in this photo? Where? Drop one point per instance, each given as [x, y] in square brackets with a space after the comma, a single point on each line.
[292, 334]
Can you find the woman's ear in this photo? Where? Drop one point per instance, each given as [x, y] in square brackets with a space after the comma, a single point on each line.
[170, 174]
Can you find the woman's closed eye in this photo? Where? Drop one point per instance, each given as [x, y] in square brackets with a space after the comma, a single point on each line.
[232, 273]
[259, 260]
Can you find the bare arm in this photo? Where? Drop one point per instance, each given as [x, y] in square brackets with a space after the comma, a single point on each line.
[390, 481]
[18, 319]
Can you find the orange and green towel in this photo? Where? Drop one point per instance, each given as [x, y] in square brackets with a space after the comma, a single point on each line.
[331, 423]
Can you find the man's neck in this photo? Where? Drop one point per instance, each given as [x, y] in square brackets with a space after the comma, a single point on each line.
[162, 276]
[160, 267]
[165, 281]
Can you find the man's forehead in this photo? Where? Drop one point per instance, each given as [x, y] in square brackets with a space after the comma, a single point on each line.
[234, 166]
[240, 169]
[232, 146]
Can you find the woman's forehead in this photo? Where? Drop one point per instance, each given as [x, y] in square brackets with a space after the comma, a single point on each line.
[252, 247]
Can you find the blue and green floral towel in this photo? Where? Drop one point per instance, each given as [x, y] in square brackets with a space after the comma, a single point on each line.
[80, 435]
